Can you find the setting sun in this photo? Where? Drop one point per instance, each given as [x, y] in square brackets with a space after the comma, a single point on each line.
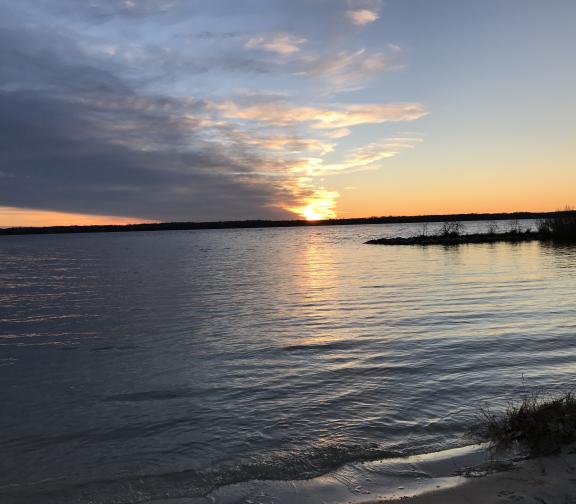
[319, 207]
[311, 214]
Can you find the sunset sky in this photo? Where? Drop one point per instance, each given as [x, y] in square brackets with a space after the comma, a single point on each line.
[170, 110]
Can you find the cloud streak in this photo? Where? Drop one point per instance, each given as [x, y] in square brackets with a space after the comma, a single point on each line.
[337, 117]
[279, 43]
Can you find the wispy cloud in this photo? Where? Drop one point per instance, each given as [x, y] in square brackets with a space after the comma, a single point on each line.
[362, 17]
[334, 117]
[372, 153]
[280, 142]
[212, 35]
[279, 43]
[338, 133]
[349, 70]
[362, 158]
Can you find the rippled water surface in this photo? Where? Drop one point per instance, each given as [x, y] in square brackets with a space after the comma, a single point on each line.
[146, 365]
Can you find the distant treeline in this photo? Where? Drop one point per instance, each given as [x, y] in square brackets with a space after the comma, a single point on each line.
[183, 226]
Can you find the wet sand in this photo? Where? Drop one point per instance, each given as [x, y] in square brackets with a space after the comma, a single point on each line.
[424, 479]
[545, 480]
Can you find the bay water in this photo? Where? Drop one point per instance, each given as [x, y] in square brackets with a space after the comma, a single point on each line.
[144, 366]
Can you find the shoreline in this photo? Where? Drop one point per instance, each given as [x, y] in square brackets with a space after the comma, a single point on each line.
[259, 223]
[468, 475]
[548, 479]
[384, 480]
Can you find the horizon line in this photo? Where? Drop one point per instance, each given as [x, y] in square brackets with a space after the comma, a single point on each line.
[265, 223]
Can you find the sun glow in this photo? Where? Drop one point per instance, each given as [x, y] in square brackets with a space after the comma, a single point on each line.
[319, 207]
[311, 214]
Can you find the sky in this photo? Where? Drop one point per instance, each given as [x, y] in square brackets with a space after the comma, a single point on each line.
[116, 111]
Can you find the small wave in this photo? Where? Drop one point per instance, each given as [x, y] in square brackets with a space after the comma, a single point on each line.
[112, 348]
[292, 465]
[151, 395]
[335, 345]
[10, 361]
[32, 442]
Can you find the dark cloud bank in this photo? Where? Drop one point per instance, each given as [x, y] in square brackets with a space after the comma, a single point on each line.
[76, 137]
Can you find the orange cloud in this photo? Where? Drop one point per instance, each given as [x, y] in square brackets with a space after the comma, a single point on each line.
[363, 158]
[339, 133]
[340, 116]
[268, 127]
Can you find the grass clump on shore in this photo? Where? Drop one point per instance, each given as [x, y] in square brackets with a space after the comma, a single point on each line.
[543, 424]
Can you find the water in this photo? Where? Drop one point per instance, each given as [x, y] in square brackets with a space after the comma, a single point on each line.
[140, 366]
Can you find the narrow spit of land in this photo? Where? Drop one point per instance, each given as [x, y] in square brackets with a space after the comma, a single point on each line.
[440, 239]
[559, 227]
[183, 226]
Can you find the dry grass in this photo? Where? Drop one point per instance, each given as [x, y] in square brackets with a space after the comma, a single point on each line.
[543, 424]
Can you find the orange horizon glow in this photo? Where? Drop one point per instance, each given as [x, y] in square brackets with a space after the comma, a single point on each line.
[354, 204]
[23, 217]
[316, 210]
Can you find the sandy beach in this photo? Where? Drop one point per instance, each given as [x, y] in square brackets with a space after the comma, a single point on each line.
[545, 480]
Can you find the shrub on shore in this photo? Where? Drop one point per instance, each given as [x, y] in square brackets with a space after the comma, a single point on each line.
[543, 424]
[560, 226]
[516, 228]
[492, 228]
[451, 229]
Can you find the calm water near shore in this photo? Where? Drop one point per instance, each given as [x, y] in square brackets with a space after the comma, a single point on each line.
[140, 366]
